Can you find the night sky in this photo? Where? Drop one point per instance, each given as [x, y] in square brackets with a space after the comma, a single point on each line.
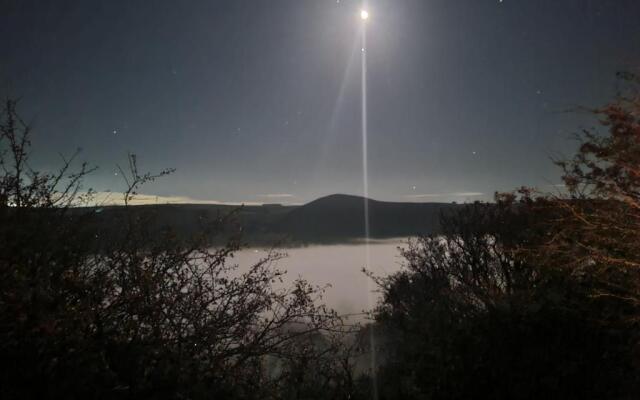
[259, 101]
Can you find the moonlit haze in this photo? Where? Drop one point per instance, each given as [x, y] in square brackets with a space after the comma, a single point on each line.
[250, 99]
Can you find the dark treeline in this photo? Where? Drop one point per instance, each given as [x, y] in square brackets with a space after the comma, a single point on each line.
[330, 219]
[532, 296]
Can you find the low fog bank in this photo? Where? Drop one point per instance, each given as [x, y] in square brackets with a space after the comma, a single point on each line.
[350, 291]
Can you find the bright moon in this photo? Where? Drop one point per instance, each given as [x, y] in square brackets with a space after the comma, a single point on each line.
[364, 14]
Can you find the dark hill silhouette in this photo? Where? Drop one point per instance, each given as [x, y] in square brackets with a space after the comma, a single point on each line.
[340, 217]
[330, 219]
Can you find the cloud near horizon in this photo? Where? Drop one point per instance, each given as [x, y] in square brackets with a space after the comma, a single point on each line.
[117, 199]
[439, 195]
[276, 195]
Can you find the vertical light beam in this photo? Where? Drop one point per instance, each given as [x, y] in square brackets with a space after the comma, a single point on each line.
[365, 162]
[364, 16]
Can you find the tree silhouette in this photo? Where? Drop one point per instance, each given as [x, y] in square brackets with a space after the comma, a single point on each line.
[469, 316]
[138, 315]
